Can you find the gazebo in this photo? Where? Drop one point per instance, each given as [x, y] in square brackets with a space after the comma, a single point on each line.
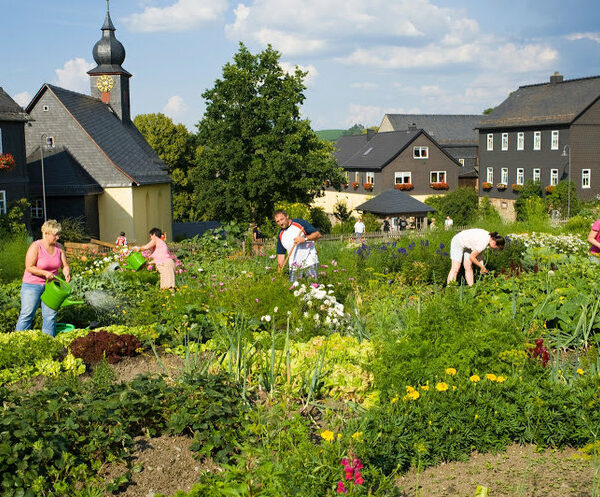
[397, 204]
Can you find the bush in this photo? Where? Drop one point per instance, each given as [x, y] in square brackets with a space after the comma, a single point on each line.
[73, 230]
[460, 205]
[12, 257]
[320, 220]
[13, 222]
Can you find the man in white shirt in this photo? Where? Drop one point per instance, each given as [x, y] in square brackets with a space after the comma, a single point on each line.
[359, 229]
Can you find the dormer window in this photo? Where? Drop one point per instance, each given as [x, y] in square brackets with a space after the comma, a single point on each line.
[366, 152]
[49, 142]
[420, 152]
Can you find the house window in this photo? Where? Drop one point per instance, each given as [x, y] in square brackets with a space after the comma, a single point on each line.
[490, 141]
[45, 108]
[2, 201]
[520, 176]
[357, 177]
[585, 178]
[1, 146]
[554, 145]
[37, 209]
[420, 152]
[520, 140]
[554, 177]
[402, 177]
[505, 141]
[370, 177]
[490, 175]
[537, 140]
[536, 174]
[49, 142]
[347, 175]
[461, 162]
[504, 176]
[366, 152]
[437, 177]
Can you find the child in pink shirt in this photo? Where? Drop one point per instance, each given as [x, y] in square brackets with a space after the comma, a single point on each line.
[161, 257]
[594, 241]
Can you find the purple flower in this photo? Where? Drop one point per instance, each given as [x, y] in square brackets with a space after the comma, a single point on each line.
[272, 256]
[402, 251]
[442, 246]
[256, 300]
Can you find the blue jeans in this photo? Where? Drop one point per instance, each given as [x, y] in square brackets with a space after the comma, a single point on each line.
[30, 300]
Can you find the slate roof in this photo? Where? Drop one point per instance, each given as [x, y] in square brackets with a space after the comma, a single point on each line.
[11, 110]
[379, 151]
[63, 175]
[443, 128]
[348, 145]
[544, 104]
[391, 202]
[122, 143]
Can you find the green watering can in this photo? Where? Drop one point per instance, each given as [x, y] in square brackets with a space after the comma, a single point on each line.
[56, 294]
[135, 261]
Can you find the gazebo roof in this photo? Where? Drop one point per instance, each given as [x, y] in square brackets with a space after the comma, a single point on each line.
[394, 201]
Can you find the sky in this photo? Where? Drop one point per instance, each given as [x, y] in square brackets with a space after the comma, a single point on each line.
[364, 58]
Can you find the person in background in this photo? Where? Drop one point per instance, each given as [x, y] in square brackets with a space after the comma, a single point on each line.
[594, 241]
[386, 225]
[43, 260]
[258, 240]
[359, 229]
[121, 240]
[432, 225]
[448, 223]
[466, 248]
[297, 237]
[161, 257]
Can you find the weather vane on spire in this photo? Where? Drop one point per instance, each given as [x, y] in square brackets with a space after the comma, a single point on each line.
[107, 5]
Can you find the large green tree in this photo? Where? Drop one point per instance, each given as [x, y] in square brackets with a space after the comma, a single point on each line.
[178, 149]
[257, 148]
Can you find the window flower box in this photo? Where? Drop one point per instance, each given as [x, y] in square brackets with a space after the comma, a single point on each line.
[501, 186]
[441, 185]
[549, 188]
[7, 162]
[355, 184]
[344, 185]
[404, 186]
[368, 186]
[486, 186]
[516, 187]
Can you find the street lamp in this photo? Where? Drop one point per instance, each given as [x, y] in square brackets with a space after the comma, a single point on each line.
[44, 135]
[564, 154]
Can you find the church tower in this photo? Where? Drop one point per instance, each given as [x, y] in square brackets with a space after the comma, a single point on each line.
[109, 81]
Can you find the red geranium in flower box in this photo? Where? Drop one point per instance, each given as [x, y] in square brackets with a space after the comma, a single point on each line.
[404, 186]
[440, 185]
[501, 186]
[368, 186]
[486, 186]
[550, 188]
[7, 162]
[517, 187]
[355, 184]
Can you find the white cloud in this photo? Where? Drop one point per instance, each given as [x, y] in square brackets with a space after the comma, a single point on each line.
[290, 68]
[366, 85]
[73, 75]
[22, 98]
[584, 36]
[371, 115]
[182, 15]
[175, 108]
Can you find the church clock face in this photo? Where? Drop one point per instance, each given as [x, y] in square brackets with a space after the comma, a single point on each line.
[105, 83]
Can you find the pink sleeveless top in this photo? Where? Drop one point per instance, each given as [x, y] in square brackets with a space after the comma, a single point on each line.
[161, 252]
[46, 262]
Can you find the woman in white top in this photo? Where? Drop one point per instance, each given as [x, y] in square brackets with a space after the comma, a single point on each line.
[466, 248]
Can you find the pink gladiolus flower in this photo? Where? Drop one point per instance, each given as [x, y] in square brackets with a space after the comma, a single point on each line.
[345, 462]
[358, 479]
[349, 474]
[341, 489]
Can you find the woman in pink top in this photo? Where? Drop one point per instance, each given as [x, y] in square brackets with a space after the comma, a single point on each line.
[594, 241]
[161, 257]
[43, 260]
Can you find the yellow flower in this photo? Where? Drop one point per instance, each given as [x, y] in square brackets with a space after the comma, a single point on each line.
[414, 395]
[339, 436]
[450, 371]
[490, 376]
[357, 435]
[475, 378]
[441, 386]
[409, 389]
[454, 387]
[425, 387]
[580, 371]
[394, 399]
[476, 416]
[500, 379]
[327, 435]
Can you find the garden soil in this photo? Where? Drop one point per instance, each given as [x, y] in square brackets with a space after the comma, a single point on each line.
[521, 471]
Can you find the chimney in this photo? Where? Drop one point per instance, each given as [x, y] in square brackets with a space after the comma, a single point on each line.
[370, 133]
[412, 127]
[556, 78]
